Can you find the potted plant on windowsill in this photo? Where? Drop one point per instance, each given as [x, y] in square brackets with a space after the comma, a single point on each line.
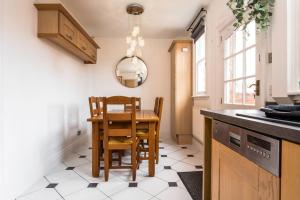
[246, 11]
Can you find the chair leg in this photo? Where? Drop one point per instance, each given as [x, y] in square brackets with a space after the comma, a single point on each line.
[157, 148]
[100, 151]
[120, 157]
[106, 164]
[133, 161]
[110, 158]
[138, 155]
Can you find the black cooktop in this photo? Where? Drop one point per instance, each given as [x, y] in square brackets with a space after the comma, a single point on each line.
[284, 114]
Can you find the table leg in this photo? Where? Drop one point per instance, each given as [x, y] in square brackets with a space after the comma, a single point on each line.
[151, 165]
[95, 150]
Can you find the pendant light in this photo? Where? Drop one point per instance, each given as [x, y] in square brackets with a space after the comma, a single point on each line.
[134, 39]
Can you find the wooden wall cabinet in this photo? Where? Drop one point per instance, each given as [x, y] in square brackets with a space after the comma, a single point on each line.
[181, 90]
[56, 24]
[235, 177]
[290, 171]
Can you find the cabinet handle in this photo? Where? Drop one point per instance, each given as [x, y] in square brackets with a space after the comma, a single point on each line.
[69, 36]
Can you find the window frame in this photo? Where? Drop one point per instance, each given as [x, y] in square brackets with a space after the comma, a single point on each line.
[244, 77]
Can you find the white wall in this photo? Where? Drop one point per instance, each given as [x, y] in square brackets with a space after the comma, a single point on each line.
[158, 83]
[1, 101]
[45, 92]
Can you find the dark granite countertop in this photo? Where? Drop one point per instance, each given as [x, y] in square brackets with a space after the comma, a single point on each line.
[277, 130]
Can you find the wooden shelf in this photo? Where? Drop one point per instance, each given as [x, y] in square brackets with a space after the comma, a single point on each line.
[57, 24]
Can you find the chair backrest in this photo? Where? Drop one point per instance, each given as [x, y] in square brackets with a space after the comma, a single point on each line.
[115, 123]
[138, 105]
[94, 109]
[96, 106]
[158, 108]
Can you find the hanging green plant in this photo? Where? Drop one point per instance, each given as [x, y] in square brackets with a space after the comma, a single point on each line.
[245, 11]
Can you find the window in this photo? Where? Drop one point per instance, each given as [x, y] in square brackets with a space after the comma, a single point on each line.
[240, 67]
[200, 84]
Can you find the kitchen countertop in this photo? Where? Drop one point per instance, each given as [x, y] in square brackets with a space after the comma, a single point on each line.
[278, 130]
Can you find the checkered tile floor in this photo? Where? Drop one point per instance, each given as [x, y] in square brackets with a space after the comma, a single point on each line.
[72, 180]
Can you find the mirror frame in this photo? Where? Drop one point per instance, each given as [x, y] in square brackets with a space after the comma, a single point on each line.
[124, 58]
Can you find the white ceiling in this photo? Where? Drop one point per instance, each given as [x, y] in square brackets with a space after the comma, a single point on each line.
[161, 19]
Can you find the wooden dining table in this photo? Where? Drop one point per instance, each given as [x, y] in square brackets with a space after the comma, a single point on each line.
[146, 119]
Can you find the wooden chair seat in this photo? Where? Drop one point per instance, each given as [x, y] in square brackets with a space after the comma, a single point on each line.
[143, 134]
[120, 140]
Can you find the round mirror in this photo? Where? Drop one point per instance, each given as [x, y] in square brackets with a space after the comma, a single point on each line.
[131, 72]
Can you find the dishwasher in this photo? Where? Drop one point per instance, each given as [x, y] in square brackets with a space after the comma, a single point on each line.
[244, 162]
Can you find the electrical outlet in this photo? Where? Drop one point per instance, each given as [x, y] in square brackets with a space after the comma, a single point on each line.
[78, 132]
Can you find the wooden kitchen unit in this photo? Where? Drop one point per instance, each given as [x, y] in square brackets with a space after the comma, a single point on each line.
[290, 171]
[234, 177]
[181, 90]
[231, 173]
[57, 24]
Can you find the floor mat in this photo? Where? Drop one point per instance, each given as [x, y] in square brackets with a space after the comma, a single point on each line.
[193, 183]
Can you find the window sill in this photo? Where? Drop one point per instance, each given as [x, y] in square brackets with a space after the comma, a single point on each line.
[238, 106]
[203, 96]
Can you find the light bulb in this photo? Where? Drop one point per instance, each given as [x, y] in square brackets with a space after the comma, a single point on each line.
[133, 43]
[136, 29]
[128, 39]
[134, 34]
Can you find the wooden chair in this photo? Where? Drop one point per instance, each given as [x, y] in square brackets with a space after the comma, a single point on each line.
[138, 105]
[119, 131]
[144, 134]
[96, 109]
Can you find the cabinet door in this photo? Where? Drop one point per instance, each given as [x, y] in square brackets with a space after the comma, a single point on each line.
[238, 176]
[235, 178]
[67, 29]
[290, 171]
[82, 43]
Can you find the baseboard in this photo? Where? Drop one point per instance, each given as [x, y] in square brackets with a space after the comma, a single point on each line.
[199, 141]
[56, 158]
[79, 140]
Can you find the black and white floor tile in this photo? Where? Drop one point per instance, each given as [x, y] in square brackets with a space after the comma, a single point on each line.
[72, 180]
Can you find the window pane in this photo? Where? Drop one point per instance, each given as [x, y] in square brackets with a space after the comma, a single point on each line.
[239, 41]
[228, 69]
[238, 92]
[239, 66]
[201, 77]
[228, 93]
[250, 98]
[227, 47]
[251, 34]
[200, 48]
[250, 62]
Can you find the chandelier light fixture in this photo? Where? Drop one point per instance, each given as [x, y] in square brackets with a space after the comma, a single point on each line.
[135, 41]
